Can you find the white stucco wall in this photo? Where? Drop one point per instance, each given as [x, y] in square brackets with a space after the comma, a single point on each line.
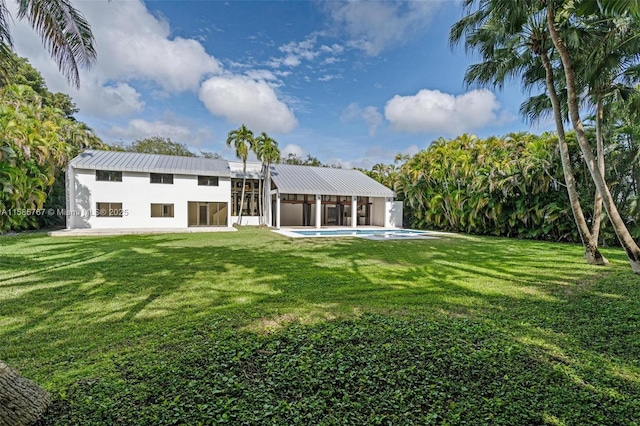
[394, 208]
[378, 209]
[136, 194]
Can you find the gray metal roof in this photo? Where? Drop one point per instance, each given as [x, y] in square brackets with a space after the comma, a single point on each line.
[136, 162]
[254, 169]
[292, 179]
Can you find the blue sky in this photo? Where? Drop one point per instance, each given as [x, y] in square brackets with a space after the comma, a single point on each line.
[348, 82]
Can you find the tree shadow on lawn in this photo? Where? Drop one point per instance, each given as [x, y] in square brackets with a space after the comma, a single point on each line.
[151, 295]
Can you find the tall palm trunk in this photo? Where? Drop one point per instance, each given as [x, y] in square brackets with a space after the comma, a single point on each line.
[23, 401]
[244, 183]
[597, 204]
[591, 252]
[625, 238]
[260, 198]
[267, 194]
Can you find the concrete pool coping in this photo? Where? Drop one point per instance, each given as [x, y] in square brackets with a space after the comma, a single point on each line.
[378, 233]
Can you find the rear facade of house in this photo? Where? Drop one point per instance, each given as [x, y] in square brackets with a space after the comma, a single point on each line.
[120, 190]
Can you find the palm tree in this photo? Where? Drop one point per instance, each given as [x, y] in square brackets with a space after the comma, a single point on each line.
[63, 30]
[610, 68]
[242, 140]
[267, 151]
[625, 238]
[510, 49]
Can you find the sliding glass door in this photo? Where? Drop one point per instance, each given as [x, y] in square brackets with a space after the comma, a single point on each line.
[202, 213]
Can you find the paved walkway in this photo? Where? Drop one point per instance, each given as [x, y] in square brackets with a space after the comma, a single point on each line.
[135, 231]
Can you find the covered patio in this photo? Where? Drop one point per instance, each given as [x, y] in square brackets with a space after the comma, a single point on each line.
[320, 197]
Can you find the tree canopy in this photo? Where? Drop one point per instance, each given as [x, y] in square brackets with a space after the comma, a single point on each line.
[159, 145]
[37, 139]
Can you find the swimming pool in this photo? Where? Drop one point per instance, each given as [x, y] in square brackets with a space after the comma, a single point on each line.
[377, 234]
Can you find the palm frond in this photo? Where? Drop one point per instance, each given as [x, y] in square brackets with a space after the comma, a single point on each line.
[64, 32]
[5, 16]
[536, 108]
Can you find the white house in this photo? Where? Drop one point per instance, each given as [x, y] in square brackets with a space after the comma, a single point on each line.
[111, 189]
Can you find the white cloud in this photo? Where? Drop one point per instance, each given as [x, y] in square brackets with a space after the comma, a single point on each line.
[352, 111]
[167, 128]
[334, 48]
[261, 75]
[301, 49]
[108, 99]
[132, 45]
[296, 52]
[243, 100]
[373, 118]
[369, 115]
[376, 25]
[291, 61]
[431, 111]
[329, 77]
[293, 149]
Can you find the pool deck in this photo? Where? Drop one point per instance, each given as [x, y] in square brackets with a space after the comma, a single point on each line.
[378, 233]
[135, 231]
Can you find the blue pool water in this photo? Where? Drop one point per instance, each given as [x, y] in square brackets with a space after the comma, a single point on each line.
[358, 232]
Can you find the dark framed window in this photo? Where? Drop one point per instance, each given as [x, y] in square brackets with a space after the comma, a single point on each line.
[161, 210]
[108, 176]
[208, 180]
[161, 178]
[249, 205]
[109, 210]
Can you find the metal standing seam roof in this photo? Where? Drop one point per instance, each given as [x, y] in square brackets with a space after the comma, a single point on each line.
[292, 179]
[137, 162]
[254, 169]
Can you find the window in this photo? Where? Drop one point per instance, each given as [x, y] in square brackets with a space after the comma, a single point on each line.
[207, 213]
[250, 203]
[108, 176]
[161, 210]
[208, 180]
[109, 209]
[161, 178]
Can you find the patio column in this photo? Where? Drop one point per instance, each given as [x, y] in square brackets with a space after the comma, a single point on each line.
[354, 211]
[318, 211]
[387, 213]
[278, 210]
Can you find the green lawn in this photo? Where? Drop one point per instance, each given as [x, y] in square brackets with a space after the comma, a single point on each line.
[255, 328]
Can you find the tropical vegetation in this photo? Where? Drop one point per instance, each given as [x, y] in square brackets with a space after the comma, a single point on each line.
[38, 136]
[593, 48]
[213, 328]
[159, 145]
[509, 186]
